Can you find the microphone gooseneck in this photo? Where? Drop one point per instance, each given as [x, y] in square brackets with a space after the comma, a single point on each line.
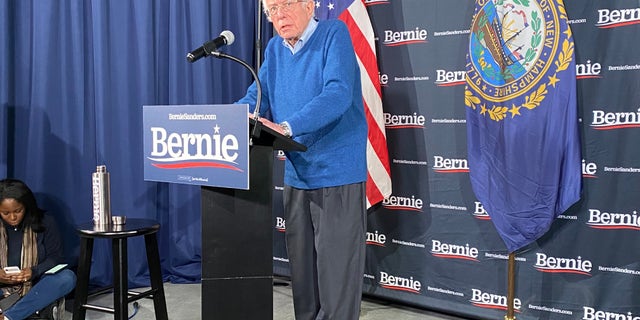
[256, 111]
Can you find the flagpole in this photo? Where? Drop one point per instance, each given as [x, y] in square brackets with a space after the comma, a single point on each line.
[511, 285]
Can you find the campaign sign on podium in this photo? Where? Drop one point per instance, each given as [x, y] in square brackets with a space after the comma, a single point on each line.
[205, 145]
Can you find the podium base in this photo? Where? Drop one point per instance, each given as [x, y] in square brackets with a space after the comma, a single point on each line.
[253, 298]
[237, 245]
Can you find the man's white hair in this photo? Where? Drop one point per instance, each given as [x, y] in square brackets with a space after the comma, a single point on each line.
[264, 3]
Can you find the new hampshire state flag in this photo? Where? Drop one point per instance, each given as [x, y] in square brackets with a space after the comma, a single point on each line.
[522, 124]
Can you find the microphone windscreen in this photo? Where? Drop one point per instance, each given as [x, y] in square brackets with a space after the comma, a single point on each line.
[229, 36]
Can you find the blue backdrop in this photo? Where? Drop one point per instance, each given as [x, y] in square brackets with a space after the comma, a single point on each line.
[73, 78]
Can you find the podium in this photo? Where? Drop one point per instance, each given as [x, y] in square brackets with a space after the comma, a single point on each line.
[237, 232]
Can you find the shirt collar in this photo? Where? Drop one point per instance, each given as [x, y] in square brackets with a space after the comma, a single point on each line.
[306, 34]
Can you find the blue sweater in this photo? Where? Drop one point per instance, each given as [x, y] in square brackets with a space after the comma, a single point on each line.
[318, 92]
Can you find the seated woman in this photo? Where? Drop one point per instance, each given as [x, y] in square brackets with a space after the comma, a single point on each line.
[30, 241]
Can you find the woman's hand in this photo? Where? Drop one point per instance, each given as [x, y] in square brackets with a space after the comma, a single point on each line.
[23, 276]
[7, 278]
[16, 278]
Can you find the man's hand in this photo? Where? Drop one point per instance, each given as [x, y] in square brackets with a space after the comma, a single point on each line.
[275, 127]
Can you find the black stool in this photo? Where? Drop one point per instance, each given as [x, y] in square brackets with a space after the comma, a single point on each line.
[121, 296]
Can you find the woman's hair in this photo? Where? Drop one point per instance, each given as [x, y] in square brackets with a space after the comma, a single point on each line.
[18, 190]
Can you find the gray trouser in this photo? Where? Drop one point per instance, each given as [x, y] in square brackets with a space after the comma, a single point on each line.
[325, 235]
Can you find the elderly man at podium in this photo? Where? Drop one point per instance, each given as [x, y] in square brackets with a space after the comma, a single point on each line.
[311, 88]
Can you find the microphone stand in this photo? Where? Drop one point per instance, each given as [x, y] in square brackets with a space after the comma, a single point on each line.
[256, 111]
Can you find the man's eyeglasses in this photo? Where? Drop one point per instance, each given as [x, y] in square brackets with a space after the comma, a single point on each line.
[283, 7]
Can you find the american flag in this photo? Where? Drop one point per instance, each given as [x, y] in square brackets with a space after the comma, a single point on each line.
[354, 14]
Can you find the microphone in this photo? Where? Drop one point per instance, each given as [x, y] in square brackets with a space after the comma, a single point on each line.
[225, 38]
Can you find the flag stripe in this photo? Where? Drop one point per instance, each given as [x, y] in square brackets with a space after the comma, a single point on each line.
[363, 50]
[376, 137]
[372, 192]
[373, 105]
